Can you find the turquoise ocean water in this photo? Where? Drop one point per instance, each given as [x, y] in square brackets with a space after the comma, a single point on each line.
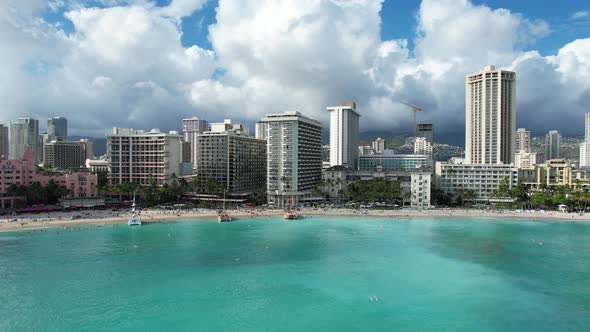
[307, 275]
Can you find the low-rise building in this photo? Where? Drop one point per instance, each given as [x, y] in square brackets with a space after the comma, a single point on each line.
[97, 165]
[423, 147]
[527, 160]
[556, 173]
[482, 179]
[24, 172]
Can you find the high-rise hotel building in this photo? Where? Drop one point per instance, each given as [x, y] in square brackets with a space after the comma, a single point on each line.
[344, 135]
[294, 157]
[137, 156]
[232, 159]
[490, 124]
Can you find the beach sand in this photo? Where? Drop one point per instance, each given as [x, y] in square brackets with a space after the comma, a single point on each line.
[104, 217]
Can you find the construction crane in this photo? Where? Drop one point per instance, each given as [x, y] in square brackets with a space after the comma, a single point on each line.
[415, 109]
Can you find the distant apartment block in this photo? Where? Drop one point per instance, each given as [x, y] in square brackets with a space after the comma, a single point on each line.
[63, 154]
[490, 117]
[143, 157]
[378, 145]
[191, 128]
[294, 157]
[552, 145]
[57, 127]
[523, 140]
[423, 147]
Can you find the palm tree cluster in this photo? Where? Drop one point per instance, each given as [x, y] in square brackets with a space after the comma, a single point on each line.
[37, 194]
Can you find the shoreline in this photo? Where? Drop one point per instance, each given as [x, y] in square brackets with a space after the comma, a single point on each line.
[34, 222]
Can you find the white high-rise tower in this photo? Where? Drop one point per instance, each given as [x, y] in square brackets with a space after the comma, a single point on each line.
[344, 135]
[585, 146]
[490, 109]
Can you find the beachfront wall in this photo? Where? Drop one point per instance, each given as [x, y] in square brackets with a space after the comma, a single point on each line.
[24, 173]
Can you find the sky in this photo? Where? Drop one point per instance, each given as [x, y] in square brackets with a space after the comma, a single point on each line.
[148, 64]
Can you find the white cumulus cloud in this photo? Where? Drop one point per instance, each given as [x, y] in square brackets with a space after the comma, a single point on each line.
[125, 65]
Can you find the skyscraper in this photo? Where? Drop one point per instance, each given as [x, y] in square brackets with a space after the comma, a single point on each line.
[490, 109]
[24, 132]
[344, 135]
[294, 157]
[552, 145]
[523, 140]
[191, 128]
[3, 141]
[57, 127]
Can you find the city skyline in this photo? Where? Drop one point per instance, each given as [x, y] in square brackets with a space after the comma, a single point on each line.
[184, 70]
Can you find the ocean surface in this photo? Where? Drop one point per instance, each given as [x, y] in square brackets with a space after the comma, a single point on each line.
[315, 274]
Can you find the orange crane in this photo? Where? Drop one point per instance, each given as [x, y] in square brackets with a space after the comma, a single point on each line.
[415, 109]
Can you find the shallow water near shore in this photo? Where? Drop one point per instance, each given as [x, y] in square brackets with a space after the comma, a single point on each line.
[318, 273]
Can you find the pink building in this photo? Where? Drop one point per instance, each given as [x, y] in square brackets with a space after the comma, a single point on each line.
[23, 172]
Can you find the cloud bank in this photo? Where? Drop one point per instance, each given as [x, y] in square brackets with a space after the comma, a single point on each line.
[125, 65]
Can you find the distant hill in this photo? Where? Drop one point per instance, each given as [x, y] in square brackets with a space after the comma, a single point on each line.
[570, 146]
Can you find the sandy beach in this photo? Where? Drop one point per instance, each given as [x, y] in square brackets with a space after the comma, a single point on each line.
[104, 217]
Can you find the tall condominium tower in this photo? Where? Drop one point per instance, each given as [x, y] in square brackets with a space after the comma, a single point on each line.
[344, 135]
[585, 146]
[523, 140]
[294, 157]
[24, 132]
[191, 128]
[137, 156]
[552, 144]
[3, 141]
[57, 127]
[425, 130]
[490, 109]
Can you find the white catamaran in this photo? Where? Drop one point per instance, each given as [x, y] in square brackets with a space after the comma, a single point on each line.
[134, 220]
